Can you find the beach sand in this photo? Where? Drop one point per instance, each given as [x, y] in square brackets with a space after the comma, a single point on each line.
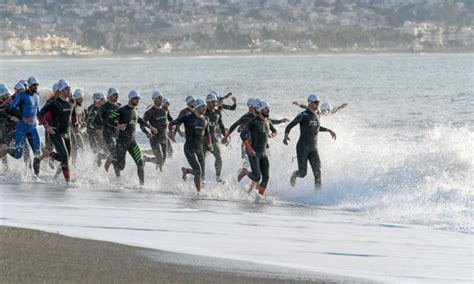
[35, 256]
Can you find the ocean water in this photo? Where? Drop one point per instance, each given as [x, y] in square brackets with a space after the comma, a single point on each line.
[402, 165]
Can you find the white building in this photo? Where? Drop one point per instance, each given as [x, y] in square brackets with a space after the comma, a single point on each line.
[428, 33]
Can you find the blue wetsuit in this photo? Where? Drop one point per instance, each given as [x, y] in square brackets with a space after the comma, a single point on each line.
[25, 106]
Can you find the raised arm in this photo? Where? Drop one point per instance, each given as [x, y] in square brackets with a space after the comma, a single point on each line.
[336, 109]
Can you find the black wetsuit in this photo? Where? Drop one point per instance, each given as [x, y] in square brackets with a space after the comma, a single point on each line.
[277, 121]
[126, 139]
[239, 125]
[48, 139]
[109, 134]
[214, 116]
[196, 128]
[307, 146]
[258, 131]
[61, 113]
[158, 118]
[183, 112]
[7, 126]
[227, 107]
[95, 141]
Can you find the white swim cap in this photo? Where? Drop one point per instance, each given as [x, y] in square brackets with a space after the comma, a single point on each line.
[262, 105]
[156, 94]
[313, 98]
[325, 107]
[133, 94]
[4, 90]
[200, 103]
[63, 84]
[112, 91]
[32, 80]
[190, 99]
[77, 94]
[19, 87]
[211, 97]
[98, 96]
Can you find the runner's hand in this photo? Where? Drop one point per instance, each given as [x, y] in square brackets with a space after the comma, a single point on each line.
[286, 139]
[251, 152]
[154, 131]
[27, 120]
[172, 137]
[121, 127]
[50, 130]
[225, 141]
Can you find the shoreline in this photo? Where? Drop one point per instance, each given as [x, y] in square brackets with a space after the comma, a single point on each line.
[29, 255]
[186, 54]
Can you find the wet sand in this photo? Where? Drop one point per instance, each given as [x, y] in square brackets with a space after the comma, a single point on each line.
[35, 256]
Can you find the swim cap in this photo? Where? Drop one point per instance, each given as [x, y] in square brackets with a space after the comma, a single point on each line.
[200, 103]
[190, 99]
[325, 107]
[133, 94]
[211, 97]
[156, 94]
[98, 96]
[32, 80]
[262, 105]
[4, 90]
[313, 98]
[112, 91]
[78, 94]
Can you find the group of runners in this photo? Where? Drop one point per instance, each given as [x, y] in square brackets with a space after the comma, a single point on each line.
[109, 129]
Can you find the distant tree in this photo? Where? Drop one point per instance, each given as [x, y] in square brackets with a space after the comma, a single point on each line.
[93, 38]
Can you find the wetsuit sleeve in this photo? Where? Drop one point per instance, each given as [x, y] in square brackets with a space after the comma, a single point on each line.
[113, 118]
[47, 108]
[272, 128]
[143, 123]
[244, 135]
[145, 119]
[323, 129]
[230, 107]
[303, 106]
[207, 133]
[98, 120]
[235, 125]
[221, 124]
[293, 123]
[169, 117]
[277, 121]
[178, 121]
[336, 109]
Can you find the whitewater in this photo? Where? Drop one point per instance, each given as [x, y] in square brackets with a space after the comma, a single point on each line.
[396, 202]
